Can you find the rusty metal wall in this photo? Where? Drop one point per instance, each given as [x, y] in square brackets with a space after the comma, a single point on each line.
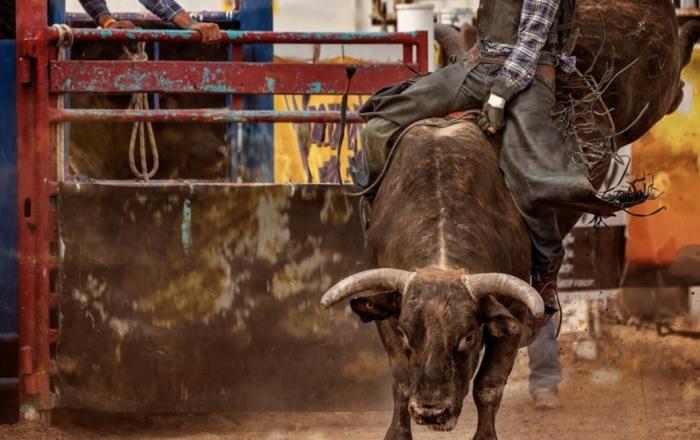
[204, 298]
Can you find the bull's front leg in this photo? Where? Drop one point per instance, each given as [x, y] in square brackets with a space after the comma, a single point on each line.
[496, 366]
[400, 427]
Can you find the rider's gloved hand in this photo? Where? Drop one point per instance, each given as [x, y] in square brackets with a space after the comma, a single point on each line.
[492, 117]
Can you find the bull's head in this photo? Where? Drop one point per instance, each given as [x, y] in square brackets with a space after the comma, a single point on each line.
[438, 320]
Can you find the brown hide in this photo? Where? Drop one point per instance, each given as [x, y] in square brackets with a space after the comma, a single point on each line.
[444, 203]
[641, 38]
[443, 210]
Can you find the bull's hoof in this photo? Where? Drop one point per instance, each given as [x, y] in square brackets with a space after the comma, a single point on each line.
[398, 434]
[485, 436]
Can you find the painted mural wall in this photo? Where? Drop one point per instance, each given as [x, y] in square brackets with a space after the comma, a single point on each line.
[671, 151]
[308, 153]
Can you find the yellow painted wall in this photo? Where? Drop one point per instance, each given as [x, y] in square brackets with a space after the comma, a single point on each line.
[312, 148]
[671, 151]
[299, 147]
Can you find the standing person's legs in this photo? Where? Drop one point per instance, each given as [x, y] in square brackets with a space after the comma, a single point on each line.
[545, 368]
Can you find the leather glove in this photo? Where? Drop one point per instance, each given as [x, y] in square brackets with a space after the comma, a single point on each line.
[492, 117]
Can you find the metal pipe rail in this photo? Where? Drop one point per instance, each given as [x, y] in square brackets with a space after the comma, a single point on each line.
[214, 116]
[242, 37]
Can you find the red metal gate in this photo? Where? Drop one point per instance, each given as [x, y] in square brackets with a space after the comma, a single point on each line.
[41, 79]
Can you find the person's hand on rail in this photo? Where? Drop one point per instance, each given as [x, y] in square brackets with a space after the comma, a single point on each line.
[210, 31]
[167, 10]
[108, 22]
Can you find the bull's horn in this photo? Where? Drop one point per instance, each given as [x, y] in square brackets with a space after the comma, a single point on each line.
[371, 281]
[506, 285]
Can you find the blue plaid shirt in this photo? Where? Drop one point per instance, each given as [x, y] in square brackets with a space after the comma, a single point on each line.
[165, 9]
[536, 20]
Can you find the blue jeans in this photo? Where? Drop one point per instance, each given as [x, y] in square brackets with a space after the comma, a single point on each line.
[543, 354]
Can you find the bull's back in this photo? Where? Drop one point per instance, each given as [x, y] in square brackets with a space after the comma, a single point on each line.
[444, 202]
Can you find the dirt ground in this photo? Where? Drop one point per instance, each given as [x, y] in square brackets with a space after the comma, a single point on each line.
[640, 387]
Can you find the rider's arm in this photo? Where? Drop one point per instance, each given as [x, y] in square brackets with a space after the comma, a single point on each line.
[536, 20]
[165, 9]
[169, 10]
[97, 10]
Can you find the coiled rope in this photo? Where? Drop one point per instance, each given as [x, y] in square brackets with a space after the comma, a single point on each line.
[141, 130]
[139, 101]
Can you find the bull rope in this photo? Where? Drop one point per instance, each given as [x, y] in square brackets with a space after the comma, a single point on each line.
[142, 130]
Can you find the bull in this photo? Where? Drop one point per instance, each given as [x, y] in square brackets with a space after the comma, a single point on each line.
[450, 249]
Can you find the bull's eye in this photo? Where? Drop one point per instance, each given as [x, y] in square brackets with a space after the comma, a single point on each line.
[466, 343]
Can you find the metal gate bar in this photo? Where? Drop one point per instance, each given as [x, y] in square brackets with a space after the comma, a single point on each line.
[197, 115]
[244, 37]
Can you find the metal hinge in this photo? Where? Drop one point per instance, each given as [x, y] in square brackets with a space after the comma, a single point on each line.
[24, 70]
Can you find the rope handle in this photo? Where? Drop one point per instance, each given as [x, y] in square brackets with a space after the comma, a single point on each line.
[141, 131]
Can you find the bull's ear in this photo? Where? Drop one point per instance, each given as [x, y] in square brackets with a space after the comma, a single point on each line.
[498, 320]
[377, 307]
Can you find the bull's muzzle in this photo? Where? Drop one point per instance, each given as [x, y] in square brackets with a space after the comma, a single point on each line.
[437, 416]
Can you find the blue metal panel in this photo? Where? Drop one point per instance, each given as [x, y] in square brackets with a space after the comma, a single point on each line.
[8, 188]
[258, 149]
[57, 11]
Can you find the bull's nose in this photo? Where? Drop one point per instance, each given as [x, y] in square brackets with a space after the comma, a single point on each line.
[428, 413]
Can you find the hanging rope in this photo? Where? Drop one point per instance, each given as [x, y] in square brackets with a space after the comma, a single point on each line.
[65, 41]
[141, 130]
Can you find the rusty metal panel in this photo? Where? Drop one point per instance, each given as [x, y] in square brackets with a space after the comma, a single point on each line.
[204, 298]
[219, 77]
